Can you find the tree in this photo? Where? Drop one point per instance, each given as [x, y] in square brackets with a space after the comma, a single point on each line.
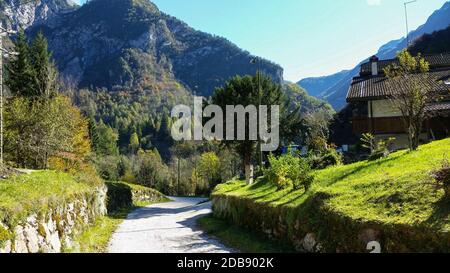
[93, 133]
[40, 129]
[152, 171]
[134, 143]
[20, 71]
[209, 169]
[44, 72]
[409, 95]
[315, 130]
[243, 91]
[32, 73]
[107, 144]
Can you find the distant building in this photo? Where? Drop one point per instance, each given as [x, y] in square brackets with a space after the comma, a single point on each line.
[374, 113]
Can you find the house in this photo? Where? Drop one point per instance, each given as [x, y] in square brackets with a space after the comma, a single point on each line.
[374, 113]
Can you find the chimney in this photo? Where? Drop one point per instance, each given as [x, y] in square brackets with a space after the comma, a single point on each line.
[374, 65]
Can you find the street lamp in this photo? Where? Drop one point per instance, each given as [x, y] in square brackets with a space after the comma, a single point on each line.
[406, 17]
[5, 53]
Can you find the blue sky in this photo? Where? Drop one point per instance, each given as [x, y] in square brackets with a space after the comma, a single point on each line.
[307, 38]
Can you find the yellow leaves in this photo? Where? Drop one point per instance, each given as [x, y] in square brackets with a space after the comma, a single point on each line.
[408, 64]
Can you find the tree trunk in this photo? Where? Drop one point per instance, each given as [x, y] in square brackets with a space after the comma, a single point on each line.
[248, 168]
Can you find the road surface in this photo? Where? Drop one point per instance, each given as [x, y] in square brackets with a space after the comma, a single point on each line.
[166, 228]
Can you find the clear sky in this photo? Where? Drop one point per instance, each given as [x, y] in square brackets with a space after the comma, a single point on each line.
[306, 37]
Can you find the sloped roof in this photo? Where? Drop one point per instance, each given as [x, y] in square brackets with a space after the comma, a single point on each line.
[436, 61]
[380, 87]
[437, 107]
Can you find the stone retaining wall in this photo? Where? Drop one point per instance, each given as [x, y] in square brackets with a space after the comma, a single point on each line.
[314, 227]
[53, 231]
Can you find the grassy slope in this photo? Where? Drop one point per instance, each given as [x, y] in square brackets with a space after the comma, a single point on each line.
[31, 192]
[397, 189]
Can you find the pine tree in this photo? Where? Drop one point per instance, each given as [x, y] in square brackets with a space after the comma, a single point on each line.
[45, 75]
[108, 139]
[134, 143]
[20, 72]
[93, 134]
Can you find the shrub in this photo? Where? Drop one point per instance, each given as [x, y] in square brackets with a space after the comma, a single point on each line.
[442, 177]
[119, 196]
[289, 171]
[324, 160]
[378, 149]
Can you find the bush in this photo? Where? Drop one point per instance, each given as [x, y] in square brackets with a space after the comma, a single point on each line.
[378, 149]
[324, 160]
[119, 196]
[289, 171]
[442, 178]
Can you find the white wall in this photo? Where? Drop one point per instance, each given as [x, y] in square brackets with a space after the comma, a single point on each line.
[382, 109]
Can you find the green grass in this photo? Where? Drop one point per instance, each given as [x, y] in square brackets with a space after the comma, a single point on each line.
[238, 238]
[394, 190]
[26, 193]
[95, 239]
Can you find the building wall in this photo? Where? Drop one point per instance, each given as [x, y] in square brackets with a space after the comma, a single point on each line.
[400, 140]
[382, 109]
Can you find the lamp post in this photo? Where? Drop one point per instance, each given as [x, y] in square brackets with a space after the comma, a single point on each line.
[3, 53]
[406, 17]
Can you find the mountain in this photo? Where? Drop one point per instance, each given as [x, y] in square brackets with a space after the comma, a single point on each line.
[337, 84]
[317, 85]
[131, 45]
[437, 42]
[17, 14]
[129, 63]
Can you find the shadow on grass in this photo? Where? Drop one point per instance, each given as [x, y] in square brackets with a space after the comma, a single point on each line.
[441, 214]
[239, 238]
[360, 168]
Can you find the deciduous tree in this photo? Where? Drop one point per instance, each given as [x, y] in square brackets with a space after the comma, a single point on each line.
[410, 96]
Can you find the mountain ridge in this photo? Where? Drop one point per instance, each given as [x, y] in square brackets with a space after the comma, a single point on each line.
[103, 32]
[336, 92]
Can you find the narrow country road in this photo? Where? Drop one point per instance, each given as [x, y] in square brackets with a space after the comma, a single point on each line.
[166, 228]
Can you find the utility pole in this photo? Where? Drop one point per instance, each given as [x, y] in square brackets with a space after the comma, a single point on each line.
[3, 53]
[407, 24]
[257, 61]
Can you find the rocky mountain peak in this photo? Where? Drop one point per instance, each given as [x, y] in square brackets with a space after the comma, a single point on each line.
[21, 14]
[130, 44]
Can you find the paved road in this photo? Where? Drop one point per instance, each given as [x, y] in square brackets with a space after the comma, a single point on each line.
[166, 228]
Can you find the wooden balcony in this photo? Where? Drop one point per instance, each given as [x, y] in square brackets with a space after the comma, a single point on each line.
[389, 125]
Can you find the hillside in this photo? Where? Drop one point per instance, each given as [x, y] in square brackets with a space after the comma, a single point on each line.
[128, 63]
[132, 45]
[336, 85]
[298, 97]
[318, 85]
[434, 43]
[18, 14]
[395, 196]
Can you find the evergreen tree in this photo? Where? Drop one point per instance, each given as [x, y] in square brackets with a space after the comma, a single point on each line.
[20, 72]
[134, 143]
[108, 138]
[243, 91]
[93, 134]
[45, 75]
